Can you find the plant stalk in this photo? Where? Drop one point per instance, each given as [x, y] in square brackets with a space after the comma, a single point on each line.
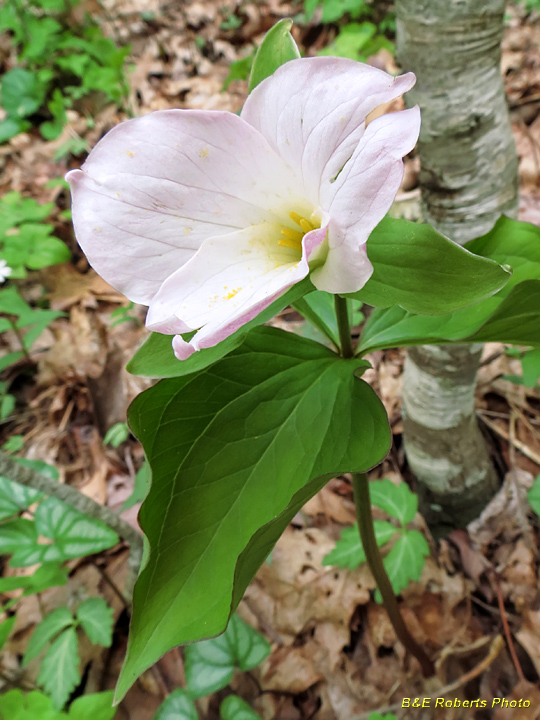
[344, 326]
[362, 503]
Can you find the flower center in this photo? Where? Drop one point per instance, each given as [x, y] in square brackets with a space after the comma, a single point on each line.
[293, 238]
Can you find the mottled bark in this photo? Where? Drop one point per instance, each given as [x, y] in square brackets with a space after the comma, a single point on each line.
[468, 178]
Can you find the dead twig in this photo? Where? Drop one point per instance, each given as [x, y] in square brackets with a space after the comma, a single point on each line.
[494, 650]
[501, 432]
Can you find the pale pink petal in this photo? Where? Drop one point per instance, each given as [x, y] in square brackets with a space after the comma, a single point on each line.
[154, 188]
[361, 196]
[228, 282]
[312, 112]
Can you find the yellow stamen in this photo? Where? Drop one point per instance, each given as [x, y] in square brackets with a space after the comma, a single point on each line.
[294, 235]
[286, 242]
[301, 221]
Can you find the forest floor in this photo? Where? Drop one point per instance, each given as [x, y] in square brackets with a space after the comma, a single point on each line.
[334, 653]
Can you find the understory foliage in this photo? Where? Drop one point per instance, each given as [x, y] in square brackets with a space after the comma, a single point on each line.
[58, 62]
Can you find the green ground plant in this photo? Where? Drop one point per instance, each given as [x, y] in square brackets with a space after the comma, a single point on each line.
[58, 62]
[405, 556]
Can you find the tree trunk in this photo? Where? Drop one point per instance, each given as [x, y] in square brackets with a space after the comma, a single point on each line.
[468, 178]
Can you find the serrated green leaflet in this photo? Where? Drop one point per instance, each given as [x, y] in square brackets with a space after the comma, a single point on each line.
[156, 358]
[234, 450]
[178, 706]
[396, 500]
[277, 48]
[405, 561]
[46, 576]
[96, 619]
[349, 552]
[59, 672]
[234, 708]
[47, 629]
[210, 664]
[420, 270]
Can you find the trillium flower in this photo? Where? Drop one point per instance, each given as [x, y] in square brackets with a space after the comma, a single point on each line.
[207, 217]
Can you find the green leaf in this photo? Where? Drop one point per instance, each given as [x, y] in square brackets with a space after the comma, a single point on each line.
[396, 500]
[234, 708]
[15, 498]
[116, 434]
[512, 319]
[34, 706]
[97, 706]
[46, 576]
[235, 451]
[378, 716]
[156, 358]
[405, 561]
[96, 618]
[239, 70]
[46, 630]
[22, 92]
[277, 48]
[143, 480]
[178, 706]
[41, 466]
[318, 308]
[59, 673]
[5, 629]
[349, 552]
[17, 536]
[11, 126]
[420, 270]
[210, 664]
[74, 535]
[533, 495]
[530, 365]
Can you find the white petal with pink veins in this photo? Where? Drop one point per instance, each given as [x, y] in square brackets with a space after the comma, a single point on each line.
[156, 187]
[218, 295]
[312, 112]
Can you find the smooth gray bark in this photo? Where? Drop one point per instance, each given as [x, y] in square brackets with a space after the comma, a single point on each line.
[468, 178]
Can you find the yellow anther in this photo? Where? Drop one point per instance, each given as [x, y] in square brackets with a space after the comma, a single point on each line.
[287, 242]
[294, 235]
[301, 221]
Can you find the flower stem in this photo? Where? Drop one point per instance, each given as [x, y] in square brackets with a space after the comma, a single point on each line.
[344, 326]
[362, 502]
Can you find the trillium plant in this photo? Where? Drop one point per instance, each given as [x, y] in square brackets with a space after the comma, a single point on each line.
[217, 222]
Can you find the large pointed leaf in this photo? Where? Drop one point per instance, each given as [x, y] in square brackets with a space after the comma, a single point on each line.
[422, 271]
[509, 316]
[235, 450]
[156, 358]
[512, 319]
[278, 47]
